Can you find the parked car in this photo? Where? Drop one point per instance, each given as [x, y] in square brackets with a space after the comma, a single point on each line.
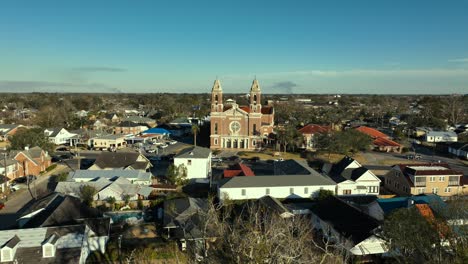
[2, 205]
[14, 187]
[411, 156]
[216, 159]
[151, 150]
[172, 142]
[163, 146]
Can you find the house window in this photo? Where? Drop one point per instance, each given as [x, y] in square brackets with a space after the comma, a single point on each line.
[244, 192]
[189, 162]
[47, 251]
[254, 129]
[291, 190]
[306, 190]
[6, 255]
[345, 192]
[442, 178]
[447, 190]
[254, 142]
[267, 191]
[435, 190]
[373, 189]
[432, 179]
[420, 190]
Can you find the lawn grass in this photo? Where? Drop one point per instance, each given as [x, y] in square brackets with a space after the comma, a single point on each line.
[269, 154]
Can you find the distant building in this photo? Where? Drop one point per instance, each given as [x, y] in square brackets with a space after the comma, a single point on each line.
[239, 127]
[108, 142]
[440, 136]
[381, 142]
[310, 133]
[121, 161]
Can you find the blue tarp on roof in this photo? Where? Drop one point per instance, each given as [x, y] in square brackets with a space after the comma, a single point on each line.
[388, 205]
[156, 130]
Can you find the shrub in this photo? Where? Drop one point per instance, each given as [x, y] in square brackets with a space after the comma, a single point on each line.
[51, 167]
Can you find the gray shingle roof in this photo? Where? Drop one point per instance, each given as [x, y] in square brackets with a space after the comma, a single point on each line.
[117, 159]
[109, 174]
[314, 179]
[194, 153]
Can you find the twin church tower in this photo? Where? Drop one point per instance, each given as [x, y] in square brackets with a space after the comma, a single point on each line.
[239, 127]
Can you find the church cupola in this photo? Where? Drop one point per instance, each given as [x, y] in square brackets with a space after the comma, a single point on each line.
[255, 97]
[217, 97]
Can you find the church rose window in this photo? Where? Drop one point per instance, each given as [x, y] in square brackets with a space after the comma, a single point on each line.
[235, 126]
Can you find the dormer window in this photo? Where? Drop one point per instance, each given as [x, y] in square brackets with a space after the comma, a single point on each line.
[48, 247]
[9, 249]
[7, 254]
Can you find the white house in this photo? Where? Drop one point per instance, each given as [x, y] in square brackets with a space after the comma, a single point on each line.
[277, 186]
[352, 178]
[133, 176]
[59, 136]
[440, 136]
[197, 160]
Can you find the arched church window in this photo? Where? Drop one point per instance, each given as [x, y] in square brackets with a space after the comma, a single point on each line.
[216, 98]
[216, 128]
[255, 98]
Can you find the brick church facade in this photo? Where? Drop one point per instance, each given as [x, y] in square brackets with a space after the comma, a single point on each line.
[239, 127]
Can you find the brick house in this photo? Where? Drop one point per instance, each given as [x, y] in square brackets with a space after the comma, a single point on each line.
[127, 127]
[382, 142]
[310, 132]
[31, 161]
[424, 178]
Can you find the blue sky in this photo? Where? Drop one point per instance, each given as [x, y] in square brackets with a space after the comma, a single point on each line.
[416, 47]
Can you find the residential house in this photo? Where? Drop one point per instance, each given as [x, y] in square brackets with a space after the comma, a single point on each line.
[81, 113]
[113, 118]
[293, 180]
[11, 166]
[112, 142]
[197, 160]
[8, 130]
[184, 219]
[31, 161]
[55, 209]
[121, 161]
[64, 244]
[59, 136]
[353, 179]
[381, 142]
[117, 187]
[389, 205]
[440, 136]
[128, 127]
[310, 133]
[459, 149]
[348, 228]
[181, 121]
[140, 120]
[99, 125]
[424, 178]
[133, 176]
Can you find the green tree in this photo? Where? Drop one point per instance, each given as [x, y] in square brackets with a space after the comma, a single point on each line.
[87, 193]
[111, 200]
[30, 138]
[195, 131]
[177, 174]
[126, 199]
[323, 194]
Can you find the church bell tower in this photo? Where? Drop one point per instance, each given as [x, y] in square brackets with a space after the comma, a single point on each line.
[217, 97]
[255, 97]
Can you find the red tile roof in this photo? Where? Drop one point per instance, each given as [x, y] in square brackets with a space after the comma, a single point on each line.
[267, 110]
[385, 142]
[314, 129]
[245, 108]
[425, 211]
[238, 170]
[374, 133]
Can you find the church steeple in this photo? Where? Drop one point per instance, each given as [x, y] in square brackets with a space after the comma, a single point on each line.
[216, 97]
[255, 97]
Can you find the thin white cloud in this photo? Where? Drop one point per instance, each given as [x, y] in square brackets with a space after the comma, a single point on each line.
[439, 72]
[459, 60]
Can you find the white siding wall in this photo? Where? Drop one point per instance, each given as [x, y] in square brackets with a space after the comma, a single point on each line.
[198, 168]
[276, 192]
